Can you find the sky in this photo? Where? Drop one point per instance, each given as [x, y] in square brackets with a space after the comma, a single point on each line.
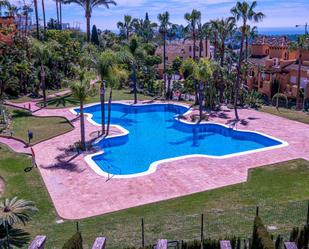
[279, 13]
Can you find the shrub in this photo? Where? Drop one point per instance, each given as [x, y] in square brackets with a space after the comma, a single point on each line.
[261, 238]
[75, 242]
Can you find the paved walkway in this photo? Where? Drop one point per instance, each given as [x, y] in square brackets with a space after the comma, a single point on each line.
[78, 192]
[15, 145]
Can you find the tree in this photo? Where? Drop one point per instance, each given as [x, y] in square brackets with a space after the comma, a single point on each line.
[126, 27]
[42, 55]
[301, 45]
[94, 36]
[243, 12]
[164, 20]
[105, 62]
[116, 75]
[80, 90]
[250, 33]
[176, 65]
[225, 28]
[14, 211]
[145, 28]
[202, 72]
[193, 19]
[88, 6]
[3, 4]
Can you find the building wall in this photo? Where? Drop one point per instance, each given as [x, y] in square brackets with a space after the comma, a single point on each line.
[259, 50]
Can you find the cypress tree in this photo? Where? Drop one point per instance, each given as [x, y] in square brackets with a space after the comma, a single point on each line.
[94, 36]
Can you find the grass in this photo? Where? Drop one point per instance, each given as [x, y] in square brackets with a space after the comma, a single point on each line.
[69, 101]
[42, 127]
[287, 113]
[281, 190]
[27, 98]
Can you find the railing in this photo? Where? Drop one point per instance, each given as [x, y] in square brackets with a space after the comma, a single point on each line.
[129, 229]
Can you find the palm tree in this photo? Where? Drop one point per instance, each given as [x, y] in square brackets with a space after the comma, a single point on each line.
[301, 45]
[251, 33]
[164, 20]
[193, 19]
[226, 27]
[42, 54]
[14, 211]
[202, 72]
[116, 75]
[88, 6]
[245, 13]
[105, 62]
[3, 4]
[126, 27]
[145, 28]
[80, 90]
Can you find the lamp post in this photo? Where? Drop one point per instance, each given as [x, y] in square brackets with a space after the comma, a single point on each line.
[306, 27]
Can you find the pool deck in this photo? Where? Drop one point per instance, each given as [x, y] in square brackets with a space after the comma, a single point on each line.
[78, 192]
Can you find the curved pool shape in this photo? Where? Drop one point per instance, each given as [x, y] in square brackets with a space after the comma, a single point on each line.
[152, 134]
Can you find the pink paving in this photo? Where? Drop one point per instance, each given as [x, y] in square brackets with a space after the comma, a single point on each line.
[78, 192]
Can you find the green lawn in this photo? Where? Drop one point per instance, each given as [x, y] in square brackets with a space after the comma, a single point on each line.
[26, 98]
[42, 127]
[69, 101]
[281, 190]
[287, 113]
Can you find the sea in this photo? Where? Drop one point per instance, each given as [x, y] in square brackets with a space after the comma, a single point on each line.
[278, 31]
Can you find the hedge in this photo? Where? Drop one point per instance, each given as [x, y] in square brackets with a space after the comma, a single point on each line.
[261, 238]
[75, 242]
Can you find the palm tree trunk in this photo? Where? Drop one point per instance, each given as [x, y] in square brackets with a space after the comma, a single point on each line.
[201, 45]
[7, 235]
[36, 18]
[109, 111]
[102, 99]
[60, 14]
[168, 94]
[298, 104]
[196, 92]
[82, 126]
[44, 18]
[238, 71]
[43, 85]
[164, 62]
[201, 88]
[222, 53]
[194, 45]
[88, 25]
[134, 83]
[247, 48]
[57, 10]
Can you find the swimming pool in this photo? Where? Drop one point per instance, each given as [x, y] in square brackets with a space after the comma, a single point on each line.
[153, 134]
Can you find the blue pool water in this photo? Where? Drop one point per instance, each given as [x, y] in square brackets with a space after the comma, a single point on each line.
[155, 134]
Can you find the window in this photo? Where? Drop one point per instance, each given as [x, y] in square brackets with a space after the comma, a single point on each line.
[190, 48]
[285, 56]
